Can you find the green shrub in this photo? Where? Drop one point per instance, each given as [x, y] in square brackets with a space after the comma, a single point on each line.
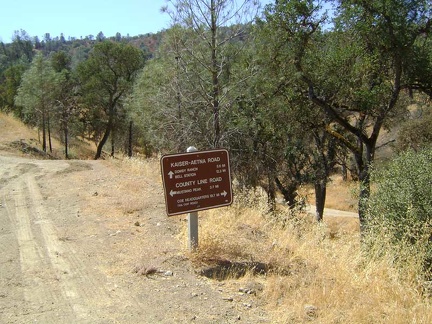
[400, 208]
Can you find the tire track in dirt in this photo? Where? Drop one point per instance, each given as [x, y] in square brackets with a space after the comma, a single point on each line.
[35, 267]
[49, 270]
[79, 287]
[10, 276]
[28, 257]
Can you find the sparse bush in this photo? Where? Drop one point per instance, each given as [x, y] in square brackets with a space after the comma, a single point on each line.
[416, 134]
[400, 210]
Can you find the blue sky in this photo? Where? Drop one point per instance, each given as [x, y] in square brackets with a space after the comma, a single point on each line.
[76, 18]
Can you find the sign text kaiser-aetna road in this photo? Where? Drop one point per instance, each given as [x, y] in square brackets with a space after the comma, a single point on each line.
[196, 181]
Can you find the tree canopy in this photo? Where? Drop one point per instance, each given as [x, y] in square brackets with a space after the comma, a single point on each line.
[357, 73]
[37, 94]
[106, 78]
[293, 92]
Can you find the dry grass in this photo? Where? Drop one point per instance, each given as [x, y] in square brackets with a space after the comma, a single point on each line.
[310, 273]
[141, 174]
[341, 194]
[139, 179]
[13, 131]
[314, 272]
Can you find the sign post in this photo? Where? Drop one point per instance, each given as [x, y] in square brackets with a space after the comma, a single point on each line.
[194, 181]
[192, 220]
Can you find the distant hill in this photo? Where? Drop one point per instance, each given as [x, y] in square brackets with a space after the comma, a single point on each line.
[23, 46]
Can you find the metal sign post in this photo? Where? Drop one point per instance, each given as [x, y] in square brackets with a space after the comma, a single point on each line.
[192, 220]
[194, 181]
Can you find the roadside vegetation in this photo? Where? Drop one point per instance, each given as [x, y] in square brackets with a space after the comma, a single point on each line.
[302, 271]
[300, 97]
[298, 270]
[322, 272]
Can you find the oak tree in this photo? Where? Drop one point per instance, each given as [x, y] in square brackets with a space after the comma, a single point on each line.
[37, 95]
[106, 78]
[357, 72]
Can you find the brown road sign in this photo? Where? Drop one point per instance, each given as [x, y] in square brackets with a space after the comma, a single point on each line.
[196, 181]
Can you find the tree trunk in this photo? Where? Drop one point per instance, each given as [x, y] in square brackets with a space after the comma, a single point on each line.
[364, 178]
[44, 144]
[344, 172]
[66, 141]
[215, 77]
[289, 193]
[112, 142]
[112, 145]
[130, 139]
[103, 140]
[271, 192]
[49, 133]
[320, 197]
[181, 145]
[323, 166]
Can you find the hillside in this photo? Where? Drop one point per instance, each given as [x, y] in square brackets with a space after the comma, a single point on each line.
[89, 242]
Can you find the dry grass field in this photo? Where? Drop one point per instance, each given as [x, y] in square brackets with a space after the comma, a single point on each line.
[314, 273]
[296, 270]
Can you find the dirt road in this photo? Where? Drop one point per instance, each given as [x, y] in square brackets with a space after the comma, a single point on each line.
[89, 242]
[328, 212]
